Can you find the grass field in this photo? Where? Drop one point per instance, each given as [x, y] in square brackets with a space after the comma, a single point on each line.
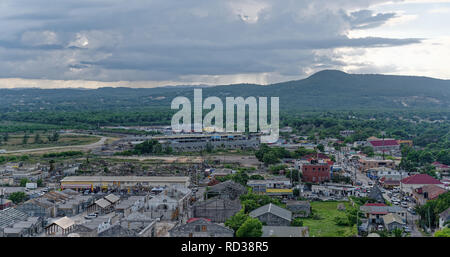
[326, 227]
[15, 141]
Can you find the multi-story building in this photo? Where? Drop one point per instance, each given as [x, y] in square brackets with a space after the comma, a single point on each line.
[316, 172]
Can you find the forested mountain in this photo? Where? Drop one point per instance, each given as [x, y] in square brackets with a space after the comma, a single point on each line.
[325, 90]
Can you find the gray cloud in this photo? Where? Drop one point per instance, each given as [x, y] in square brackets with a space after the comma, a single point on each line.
[169, 40]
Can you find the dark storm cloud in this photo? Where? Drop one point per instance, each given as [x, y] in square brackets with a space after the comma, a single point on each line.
[164, 40]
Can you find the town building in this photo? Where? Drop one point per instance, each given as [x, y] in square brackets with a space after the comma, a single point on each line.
[409, 184]
[333, 189]
[393, 221]
[369, 163]
[299, 208]
[216, 209]
[384, 145]
[200, 227]
[426, 193]
[374, 212]
[315, 172]
[201, 142]
[5, 203]
[170, 204]
[267, 185]
[285, 231]
[121, 182]
[272, 215]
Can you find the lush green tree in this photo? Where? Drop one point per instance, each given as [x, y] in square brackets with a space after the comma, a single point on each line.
[429, 212]
[270, 158]
[297, 222]
[250, 228]
[321, 147]
[236, 221]
[25, 139]
[37, 139]
[368, 151]
[39, 183]
[256, 177]
[397, 232]
[17, 197]
[23, 182]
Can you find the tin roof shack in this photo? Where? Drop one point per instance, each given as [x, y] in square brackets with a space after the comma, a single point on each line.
[299, 208]
[141, 224]
[9, 217]
[76, 205]
[171, 204]
[393, 221]
[132, 204]
[38, 207]
[272, 215]
[228, 189]
[60, 227]
[374, 212]
[216, 209]
[201, 228]
[32, 172]
[283, 231]
[97, 225]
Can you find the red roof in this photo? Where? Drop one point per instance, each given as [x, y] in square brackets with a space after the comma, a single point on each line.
[433, 191]
[424, 179]
[383, 143]
[194, 219]
[440, 165]
[374, 204]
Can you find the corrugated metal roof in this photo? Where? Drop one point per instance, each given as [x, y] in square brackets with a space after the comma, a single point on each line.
[102, 203]
[271, 208]
[10, 216]
[112, 198]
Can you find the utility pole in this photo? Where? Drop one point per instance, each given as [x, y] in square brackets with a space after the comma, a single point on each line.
[429, 220]
[382, 148]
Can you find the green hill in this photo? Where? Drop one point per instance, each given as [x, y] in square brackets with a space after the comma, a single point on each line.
[325, 90]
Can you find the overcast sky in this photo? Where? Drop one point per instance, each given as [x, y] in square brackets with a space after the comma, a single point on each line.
[92, 43]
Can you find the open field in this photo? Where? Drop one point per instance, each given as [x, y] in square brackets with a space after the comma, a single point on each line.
[15, 141]
[326, 227]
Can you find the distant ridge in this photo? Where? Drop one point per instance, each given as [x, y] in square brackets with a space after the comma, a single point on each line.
[324, 90]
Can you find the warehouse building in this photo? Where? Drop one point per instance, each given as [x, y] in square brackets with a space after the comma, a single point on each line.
[120, 182]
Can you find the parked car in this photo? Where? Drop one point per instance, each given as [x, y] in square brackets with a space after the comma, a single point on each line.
[404, 204]
[411, 210]
[407, 229]
[91, 216]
